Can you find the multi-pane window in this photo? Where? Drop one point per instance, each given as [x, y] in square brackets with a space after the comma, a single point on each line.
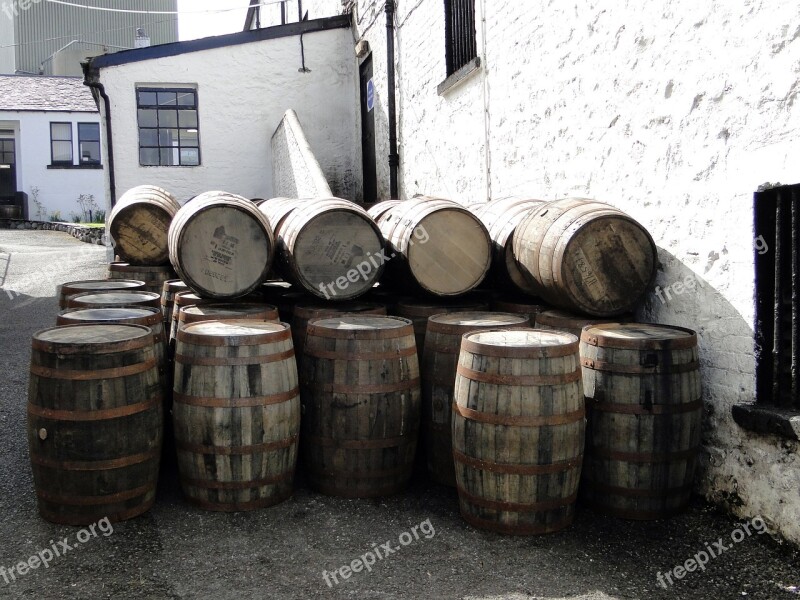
[462, 45]
[89, 143]
[6, 152]
[61, 143]
[168, 127]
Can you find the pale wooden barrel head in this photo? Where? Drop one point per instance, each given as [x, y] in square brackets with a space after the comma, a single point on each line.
[104, 284]
[228, 312]
[108, 314]
[173, 286]
[223, 250]
[231, 332]
[478, 319]
[359, 322]
[71, 335]
[449, 252]
[115, 298]
[520, 338]
[639, 335]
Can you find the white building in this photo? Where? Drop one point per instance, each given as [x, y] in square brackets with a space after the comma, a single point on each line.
[50, 141]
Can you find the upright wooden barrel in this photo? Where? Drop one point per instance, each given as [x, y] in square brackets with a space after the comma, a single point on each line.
[360, 395]
[168, 291]
[642, 383]
[114, 299]
[237, 413]
[501, 218]
[181, 300]
[521, 306]
[153, 277]
[228, 312]
[419, 311]
[303, 313]
[436, 245]
[559, 320]
[221, 245]
[518, 430]
[66, 290]
[139, 224]
[331, 248]
[95, 422]
[586, 256]
[438, 372]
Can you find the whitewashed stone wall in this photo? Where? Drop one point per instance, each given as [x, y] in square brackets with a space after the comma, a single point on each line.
[295, 170]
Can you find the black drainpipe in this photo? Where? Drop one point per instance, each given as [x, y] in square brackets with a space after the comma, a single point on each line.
[92, 83]
[394, 157]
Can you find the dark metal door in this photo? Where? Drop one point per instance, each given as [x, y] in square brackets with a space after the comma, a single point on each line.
[8, 168]
[368, 133]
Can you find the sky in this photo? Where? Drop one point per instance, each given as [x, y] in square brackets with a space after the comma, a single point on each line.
[192, 25]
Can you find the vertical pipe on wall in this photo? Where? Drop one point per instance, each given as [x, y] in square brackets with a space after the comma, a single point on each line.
[394, 157]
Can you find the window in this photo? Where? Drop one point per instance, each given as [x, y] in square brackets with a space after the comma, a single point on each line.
[89, 143]
[459, 34]
[168, 127]
[61, 143]
[6, 152]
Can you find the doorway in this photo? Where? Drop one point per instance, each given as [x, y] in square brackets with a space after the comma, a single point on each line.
[8, 168]
[369, 165]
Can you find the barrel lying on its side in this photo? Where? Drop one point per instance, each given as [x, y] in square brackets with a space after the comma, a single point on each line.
[139, 224]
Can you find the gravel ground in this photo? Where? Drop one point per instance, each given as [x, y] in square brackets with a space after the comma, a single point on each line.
[177, 551]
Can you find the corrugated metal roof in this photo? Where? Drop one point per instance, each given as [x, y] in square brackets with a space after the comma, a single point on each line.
[29, 92]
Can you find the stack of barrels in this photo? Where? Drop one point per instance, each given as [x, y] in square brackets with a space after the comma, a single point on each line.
[481, 342]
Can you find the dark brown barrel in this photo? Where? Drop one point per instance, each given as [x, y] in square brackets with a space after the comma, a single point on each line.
[642, 386]
[237, 413]
[228, 312]
[360, 395]
[221, 245]
[436, 245]
[66, 290]
[560, 320]
[168, 291]
[8, 211]
[95, 422]
[114, 299]
[419, 311]
[139, 224]
[518, 430]
[501, 218]
[438, 372]
[303, 313]
[153, 277]
[287, 302]
[331, 248]
[521, 306]
[586, 256]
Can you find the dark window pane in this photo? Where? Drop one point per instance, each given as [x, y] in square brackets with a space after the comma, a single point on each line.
[168, 137]
[147, 98]
[148, 137]
[190, 157]
[62, 152]
[188, 118]
[166, 99]
[167, 118]
[89, 132]
[148, 157]
[189, 137]
[90, 152]
[148, 118]
[168, 157]
[186, 99]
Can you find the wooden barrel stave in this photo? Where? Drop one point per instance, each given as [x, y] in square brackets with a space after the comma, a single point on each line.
[419, 311]
[139, 224]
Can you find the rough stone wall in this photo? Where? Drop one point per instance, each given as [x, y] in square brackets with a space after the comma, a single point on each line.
[295, 170]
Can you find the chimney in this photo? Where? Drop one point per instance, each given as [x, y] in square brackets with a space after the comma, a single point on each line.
[142, 39]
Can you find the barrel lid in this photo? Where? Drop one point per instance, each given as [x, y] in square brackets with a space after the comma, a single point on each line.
[125, 267]
[311, 310]
[104, 284]
[461, 322]
[173, 285]
[238, 332]
[188, 297]
[115, 297]
[227, 310]
[108, 314]
[356, 326]
[639, 336]
[520, 343]
[92, 338]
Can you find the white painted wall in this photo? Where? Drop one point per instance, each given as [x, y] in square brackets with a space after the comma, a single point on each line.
[59, 188]
[673, 111]
[7, 39]
[243, 92]
[295, 170]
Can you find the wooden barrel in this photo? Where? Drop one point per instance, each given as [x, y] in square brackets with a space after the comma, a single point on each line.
[153, 277]
[181, 300]
[586, 256]
[438, 372]
[419, 311]
[521, 306]
[114, 299]
[377, 210]
[10, 211]
[168, 291]
[221, 245]
[278, 209]
[642, 384]
[287, 302]
[69, 289]
[435, 245]
[360, 394]
[228, 312]
[501, 218]
[139, 224]
[303, 313]
[331, 248]
[237, 413]
[95, 422]
[518, 430]
[560, 320]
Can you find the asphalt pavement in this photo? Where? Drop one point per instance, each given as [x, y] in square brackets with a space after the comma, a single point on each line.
[290, 550]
